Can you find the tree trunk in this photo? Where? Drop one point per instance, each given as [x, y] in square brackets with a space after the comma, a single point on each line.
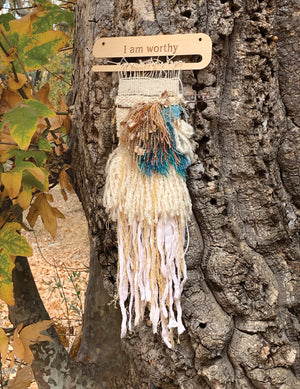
[241, 302]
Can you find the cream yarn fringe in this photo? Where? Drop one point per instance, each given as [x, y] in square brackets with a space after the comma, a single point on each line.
[152, 214]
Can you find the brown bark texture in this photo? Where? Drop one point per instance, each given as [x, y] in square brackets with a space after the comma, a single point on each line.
[241, 302]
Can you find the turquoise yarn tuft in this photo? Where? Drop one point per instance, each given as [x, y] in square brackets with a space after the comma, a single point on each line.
[150, 163]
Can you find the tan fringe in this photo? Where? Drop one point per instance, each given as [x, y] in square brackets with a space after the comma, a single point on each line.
[130, 192]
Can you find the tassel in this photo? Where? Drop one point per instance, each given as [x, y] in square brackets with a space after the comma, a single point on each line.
[146, 193]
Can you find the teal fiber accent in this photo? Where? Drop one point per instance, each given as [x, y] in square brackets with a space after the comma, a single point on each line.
[150, 164]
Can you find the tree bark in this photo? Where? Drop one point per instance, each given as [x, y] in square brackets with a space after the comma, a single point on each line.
[241, 302]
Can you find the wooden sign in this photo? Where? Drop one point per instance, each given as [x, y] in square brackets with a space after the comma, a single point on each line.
[199, 45]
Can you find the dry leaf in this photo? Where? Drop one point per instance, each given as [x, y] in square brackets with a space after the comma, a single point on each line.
[64, 120]
[48, 214]
[12, 98]
[3, 344]
[65, 180]
[64, 194]
[32, 334]
[50, 137]
[62, 333]
[67, 123]
[41, 127]
[55, 123]
[43, 94]
[18, 347]
[62, 105]
[4, 106]
[76, 344]
[58, 151]
[22, 380]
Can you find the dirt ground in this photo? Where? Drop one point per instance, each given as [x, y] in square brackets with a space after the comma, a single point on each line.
[60, 267]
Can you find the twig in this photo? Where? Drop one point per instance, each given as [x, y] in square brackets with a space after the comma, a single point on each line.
[66, 48]
[21, 64]
[20, 90]
[17, 9]
[56, 76]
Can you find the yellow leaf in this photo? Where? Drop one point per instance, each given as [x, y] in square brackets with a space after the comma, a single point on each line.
[7, 143]
[3, 345]
[57, 38]
[22, 380]
[24, 198]
[6, 286]
[7, 293]
[12, 182]
[15, 85]
[32, 334]
[24, 24]
[6, 58]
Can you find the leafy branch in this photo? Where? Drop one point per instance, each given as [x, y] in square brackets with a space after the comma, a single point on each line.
[21, 64]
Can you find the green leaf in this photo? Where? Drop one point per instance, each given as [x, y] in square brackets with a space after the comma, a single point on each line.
[7, 264]
[47, 44]
[39, 156]
[53, 15]
[44, 144]
[39, 108]
[12, 242]
[29, 181]
[34, 45]
[23, 120]
[5, 19]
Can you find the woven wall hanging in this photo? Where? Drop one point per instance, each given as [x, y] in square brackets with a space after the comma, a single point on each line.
[146, 194]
